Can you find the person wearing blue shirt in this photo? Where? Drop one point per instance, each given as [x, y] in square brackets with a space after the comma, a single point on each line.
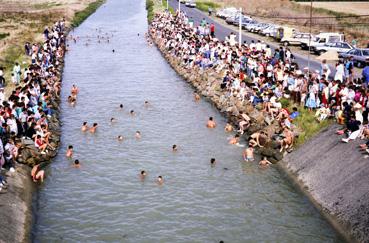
[365, 74]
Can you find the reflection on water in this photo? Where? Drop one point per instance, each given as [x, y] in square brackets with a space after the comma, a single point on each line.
[105, 200]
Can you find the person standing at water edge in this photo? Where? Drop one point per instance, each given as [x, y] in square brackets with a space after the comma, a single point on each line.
[248, 154]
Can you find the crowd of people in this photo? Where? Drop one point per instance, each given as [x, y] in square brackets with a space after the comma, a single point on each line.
[24, 114]
[257, 75]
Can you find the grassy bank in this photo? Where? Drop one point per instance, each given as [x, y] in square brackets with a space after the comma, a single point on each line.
[81, 16]
[150, 10]
[205, 5]
[306, 122]
[22, 21]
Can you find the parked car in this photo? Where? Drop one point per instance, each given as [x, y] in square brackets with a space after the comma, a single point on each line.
[245, 19]
[296, 39]
[190, 4]
[227, 12]
[360, 56]
[271, 31]
[323, 38]
[336, 46]
[230, 20]
[260, 27]
[251, 25]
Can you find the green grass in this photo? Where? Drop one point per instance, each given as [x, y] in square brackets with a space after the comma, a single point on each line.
[171, 10]
[150, 10]
[306, 122]
[81, 16]
[204, 5]
[3, 35]
[46, 5]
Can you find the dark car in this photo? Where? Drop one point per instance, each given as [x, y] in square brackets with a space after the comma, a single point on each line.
[360, 56]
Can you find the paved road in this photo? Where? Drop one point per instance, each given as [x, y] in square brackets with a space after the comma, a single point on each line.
[222, 31]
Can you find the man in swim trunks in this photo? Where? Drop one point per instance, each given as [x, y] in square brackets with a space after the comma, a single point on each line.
[248, 154]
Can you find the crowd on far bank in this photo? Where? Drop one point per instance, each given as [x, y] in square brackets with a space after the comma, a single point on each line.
[258, 75]
[25, 113]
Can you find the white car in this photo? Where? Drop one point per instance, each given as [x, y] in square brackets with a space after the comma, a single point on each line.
[270, 31]
[190, 3]
[297, 39]
[336, 46]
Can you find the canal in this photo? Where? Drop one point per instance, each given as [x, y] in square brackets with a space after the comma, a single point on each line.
[105, 200]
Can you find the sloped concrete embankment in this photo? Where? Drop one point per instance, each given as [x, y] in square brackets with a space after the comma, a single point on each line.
[15, 207]
[336, 177]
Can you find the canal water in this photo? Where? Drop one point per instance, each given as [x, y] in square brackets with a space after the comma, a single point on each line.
[105, 201]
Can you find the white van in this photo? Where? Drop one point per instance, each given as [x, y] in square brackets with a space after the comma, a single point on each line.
[322, 39]
[297, 39]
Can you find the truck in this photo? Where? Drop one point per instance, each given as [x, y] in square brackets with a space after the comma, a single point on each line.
[323, 38]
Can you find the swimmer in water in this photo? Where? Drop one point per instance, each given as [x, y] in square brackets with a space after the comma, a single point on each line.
[143, 175]
[212, 162]
[76, 164]
[264, 162]
[84, 127]
[121, 106]
[113, 120]
[71, 100]
[196, 96]
[132, 112]
[160, 180]
[113, 50]
[248, 154]
[147, 104]
[120, 138]
[228, 128]
[235, 139]
[138, 135]
[211, 123]
[93, 128]
[69, 152]
[174, 148]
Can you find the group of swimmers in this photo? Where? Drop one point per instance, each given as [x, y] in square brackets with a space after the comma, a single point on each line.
[248, 153]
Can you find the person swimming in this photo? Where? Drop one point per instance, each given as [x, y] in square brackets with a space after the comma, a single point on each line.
[174, 148]
[120, 138]
[113, 120]
[160, 180]
[113, 50]
[132, 113]
[74, 91]
[228, 128]
[196, 96]
[212, 162]
[84, 127]
[264, 162]
[71, 100]
[76, 164]
[235, 139]
[146, 104]
[211, 123]
[69, 152]
[121, 106]
[93, 128]
[143, 175]
[138, 135]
